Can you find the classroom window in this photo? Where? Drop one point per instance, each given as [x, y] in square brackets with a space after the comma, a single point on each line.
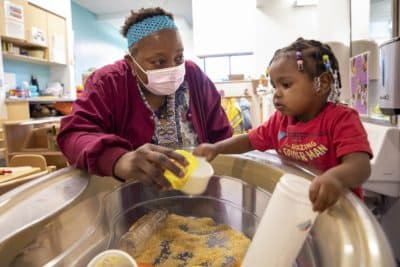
[219, 67]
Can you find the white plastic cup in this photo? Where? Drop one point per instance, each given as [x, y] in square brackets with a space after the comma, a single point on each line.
[103, 259]
[284, 226]
[198, 180]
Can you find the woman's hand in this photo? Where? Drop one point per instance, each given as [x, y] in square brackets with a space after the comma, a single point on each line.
[148, 163]
[209, 151]
[325, 190]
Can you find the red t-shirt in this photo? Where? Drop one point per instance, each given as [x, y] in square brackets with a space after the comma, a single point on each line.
[335, 132]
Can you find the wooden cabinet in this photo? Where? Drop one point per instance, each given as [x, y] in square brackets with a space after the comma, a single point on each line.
[36, 25]
[44, 39]
[33, 137]
[57, 33]
[3, 22]
[17, 110]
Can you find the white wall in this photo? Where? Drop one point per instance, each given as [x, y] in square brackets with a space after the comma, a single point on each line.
[186, 32]
[381, 16]
[360, 14]
[278, 23]
[61, 8]
[334, 21]
[223, 26]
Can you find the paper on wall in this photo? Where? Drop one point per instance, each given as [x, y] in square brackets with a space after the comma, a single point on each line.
[359, 82]
[38, 36]
[14, 20]
[10, 81]
[57, 53]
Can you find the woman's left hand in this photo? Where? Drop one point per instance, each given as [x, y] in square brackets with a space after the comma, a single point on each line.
[325, 190]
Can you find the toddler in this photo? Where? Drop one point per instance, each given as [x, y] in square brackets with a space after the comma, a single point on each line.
[308, 125]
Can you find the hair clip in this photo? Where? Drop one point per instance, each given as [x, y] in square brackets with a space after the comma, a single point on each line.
[299, 59]
[327, 63]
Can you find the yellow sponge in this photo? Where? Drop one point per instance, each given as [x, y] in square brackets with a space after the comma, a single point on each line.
[179, 182]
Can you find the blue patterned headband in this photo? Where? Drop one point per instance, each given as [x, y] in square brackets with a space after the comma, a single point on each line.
[147, 26]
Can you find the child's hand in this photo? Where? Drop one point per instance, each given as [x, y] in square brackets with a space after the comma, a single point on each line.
[209, 151]
[325, 190]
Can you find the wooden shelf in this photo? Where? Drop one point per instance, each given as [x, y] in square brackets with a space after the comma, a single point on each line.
[2, 153]
[30, 137]
[238, 96]
[37, 152]
[49, 99]
[53, 158]
[40, 99]
[29, 59]
[21, 42]
[232, 81]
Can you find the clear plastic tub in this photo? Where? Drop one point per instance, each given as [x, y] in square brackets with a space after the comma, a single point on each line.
[237, 205]
[227, 201]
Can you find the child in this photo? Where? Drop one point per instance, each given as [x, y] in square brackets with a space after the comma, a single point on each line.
[308, 125]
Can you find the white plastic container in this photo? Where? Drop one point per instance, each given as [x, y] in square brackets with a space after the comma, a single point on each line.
[114, 258]
[198, 180]
[284, 226]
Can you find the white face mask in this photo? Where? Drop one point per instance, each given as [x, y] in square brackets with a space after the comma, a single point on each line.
[163, 81]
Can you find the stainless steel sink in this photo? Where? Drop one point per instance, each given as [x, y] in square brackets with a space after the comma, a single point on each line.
[66, 218]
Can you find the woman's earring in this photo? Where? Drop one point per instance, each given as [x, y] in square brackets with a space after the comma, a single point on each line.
[317, 84]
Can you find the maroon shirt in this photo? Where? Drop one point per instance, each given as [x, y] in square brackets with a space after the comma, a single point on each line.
[110, 118]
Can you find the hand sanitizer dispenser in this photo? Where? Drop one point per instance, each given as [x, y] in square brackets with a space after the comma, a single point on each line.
[389, 94]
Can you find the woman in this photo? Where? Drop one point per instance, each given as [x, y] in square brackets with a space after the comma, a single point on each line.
[135, 111]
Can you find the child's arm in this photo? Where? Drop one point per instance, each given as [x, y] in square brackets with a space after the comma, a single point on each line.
[234, 145]
[326, 189]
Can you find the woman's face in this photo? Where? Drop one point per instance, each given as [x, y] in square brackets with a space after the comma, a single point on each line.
[159, 50]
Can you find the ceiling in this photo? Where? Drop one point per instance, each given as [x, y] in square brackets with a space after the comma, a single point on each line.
[115, 11]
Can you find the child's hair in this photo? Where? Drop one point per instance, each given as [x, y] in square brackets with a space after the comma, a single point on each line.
[314, 58]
